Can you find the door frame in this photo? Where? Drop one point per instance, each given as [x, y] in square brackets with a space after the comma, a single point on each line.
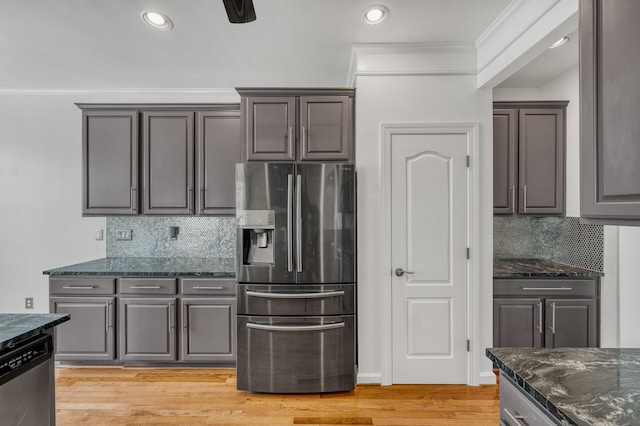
[471, 132]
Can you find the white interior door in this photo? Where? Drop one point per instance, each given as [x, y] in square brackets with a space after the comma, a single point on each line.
[429, 240]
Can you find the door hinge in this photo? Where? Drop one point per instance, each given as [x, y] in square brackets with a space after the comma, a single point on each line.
[468, 253]
[468, 161]
[468, 345]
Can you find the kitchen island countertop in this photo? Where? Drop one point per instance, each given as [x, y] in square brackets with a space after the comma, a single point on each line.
[580, 386]
[539, 268]
[16, 328]
[151, 267]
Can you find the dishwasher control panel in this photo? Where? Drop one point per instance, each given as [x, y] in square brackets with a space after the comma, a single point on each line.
[23, 354]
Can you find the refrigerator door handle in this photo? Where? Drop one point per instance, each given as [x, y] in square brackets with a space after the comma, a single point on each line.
[289, 223]
[299, 223]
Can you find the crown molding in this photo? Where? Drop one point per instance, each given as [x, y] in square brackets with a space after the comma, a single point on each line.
[385, 59]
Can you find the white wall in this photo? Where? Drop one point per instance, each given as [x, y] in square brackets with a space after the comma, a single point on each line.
[40, 187]
[413, 99]
[629, 275]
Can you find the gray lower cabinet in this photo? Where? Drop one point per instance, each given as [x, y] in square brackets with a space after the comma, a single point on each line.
[518, 408]
[208, 326]
[90, 333]
[529, 157]
[109, 162]
[546, 313]
[297, 124]
[609, 108]
[147, 329]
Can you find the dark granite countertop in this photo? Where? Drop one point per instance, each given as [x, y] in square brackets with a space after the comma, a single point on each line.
[583, 386]
[539, 268]
[15, 328]
[152, 267]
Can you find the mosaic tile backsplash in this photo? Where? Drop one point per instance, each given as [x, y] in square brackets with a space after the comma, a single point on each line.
[561, 239]
[197, 237]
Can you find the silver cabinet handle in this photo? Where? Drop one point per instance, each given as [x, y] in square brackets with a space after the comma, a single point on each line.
[299, 223]
[211, 287]
[108, 325]
[172, 321]
[145, 287]
[553, 318]
[289, 223]
[295, 295]
[189, 197]
[524, 203]
[134, 201]
[79, 287]
[400, 272]
[290, 140]
[512, 198]
[513, 417]
[540, 317]
[547, 288]
[295, 327]
[203, 199]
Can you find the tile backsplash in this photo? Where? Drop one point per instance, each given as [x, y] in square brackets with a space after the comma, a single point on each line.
[561, 239]
[212, 236]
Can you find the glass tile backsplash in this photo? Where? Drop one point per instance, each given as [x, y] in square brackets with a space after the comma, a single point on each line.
[561, 239]
[213, 236]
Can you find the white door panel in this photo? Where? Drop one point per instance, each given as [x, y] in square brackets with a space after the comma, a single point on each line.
[429, 238]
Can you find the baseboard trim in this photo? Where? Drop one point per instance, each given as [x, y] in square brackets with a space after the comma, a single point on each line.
[487, 378]
[369, 378]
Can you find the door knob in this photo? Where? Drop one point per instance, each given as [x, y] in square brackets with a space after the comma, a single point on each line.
[400, 272]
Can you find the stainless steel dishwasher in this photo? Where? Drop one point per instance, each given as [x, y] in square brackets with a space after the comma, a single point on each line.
[26, 383]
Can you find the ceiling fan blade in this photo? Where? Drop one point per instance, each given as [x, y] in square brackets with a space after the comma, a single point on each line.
[240, 11]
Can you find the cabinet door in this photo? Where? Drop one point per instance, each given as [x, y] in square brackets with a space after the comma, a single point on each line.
[504, 161]
[146, 330]
[208, 330]
[218, 137]
[609, 108]
[325, 128]
[168, 148]
[89, 334]
[270, 128]
[110, 162]
[541, 161]
[517, 322]
[571, 323]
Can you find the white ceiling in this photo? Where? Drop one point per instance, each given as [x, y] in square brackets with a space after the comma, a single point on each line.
[546, 67]
[103, 44]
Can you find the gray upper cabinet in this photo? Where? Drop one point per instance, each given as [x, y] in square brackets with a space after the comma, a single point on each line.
[529, 157]
[504, 160]
[609, 108]
[270, 126]
[218, 142]
[109, 162]
[169, 155]
[297, 124]
[325, 129]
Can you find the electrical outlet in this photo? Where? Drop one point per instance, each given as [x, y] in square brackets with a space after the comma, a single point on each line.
[123, 235]
[99, 234]
[28, 302]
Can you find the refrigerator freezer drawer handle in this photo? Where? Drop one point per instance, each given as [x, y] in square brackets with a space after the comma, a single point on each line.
[299, 223]
[296, 295]
[296, 327]
[289, 223]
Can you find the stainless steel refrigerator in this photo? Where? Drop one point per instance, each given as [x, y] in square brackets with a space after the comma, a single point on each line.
[296, 273]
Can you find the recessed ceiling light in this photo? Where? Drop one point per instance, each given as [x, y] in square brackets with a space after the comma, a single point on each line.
[157, 20]
[375, 14]
[560, 42]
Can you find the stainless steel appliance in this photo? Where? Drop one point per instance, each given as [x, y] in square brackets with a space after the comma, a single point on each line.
[26, 378]
[296, 277]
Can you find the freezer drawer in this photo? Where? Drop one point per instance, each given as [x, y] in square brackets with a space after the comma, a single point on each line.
[320, 299]
[296, 355]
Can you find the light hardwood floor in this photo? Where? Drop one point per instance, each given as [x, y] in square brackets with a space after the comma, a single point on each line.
[175, 396]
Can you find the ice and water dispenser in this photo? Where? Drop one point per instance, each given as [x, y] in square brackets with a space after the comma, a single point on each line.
[257, 236]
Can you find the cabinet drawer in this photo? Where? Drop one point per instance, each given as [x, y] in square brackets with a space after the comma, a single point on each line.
[147, 285]
[555, 288]
[83, 285]
[207, 286]
[517, 409]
